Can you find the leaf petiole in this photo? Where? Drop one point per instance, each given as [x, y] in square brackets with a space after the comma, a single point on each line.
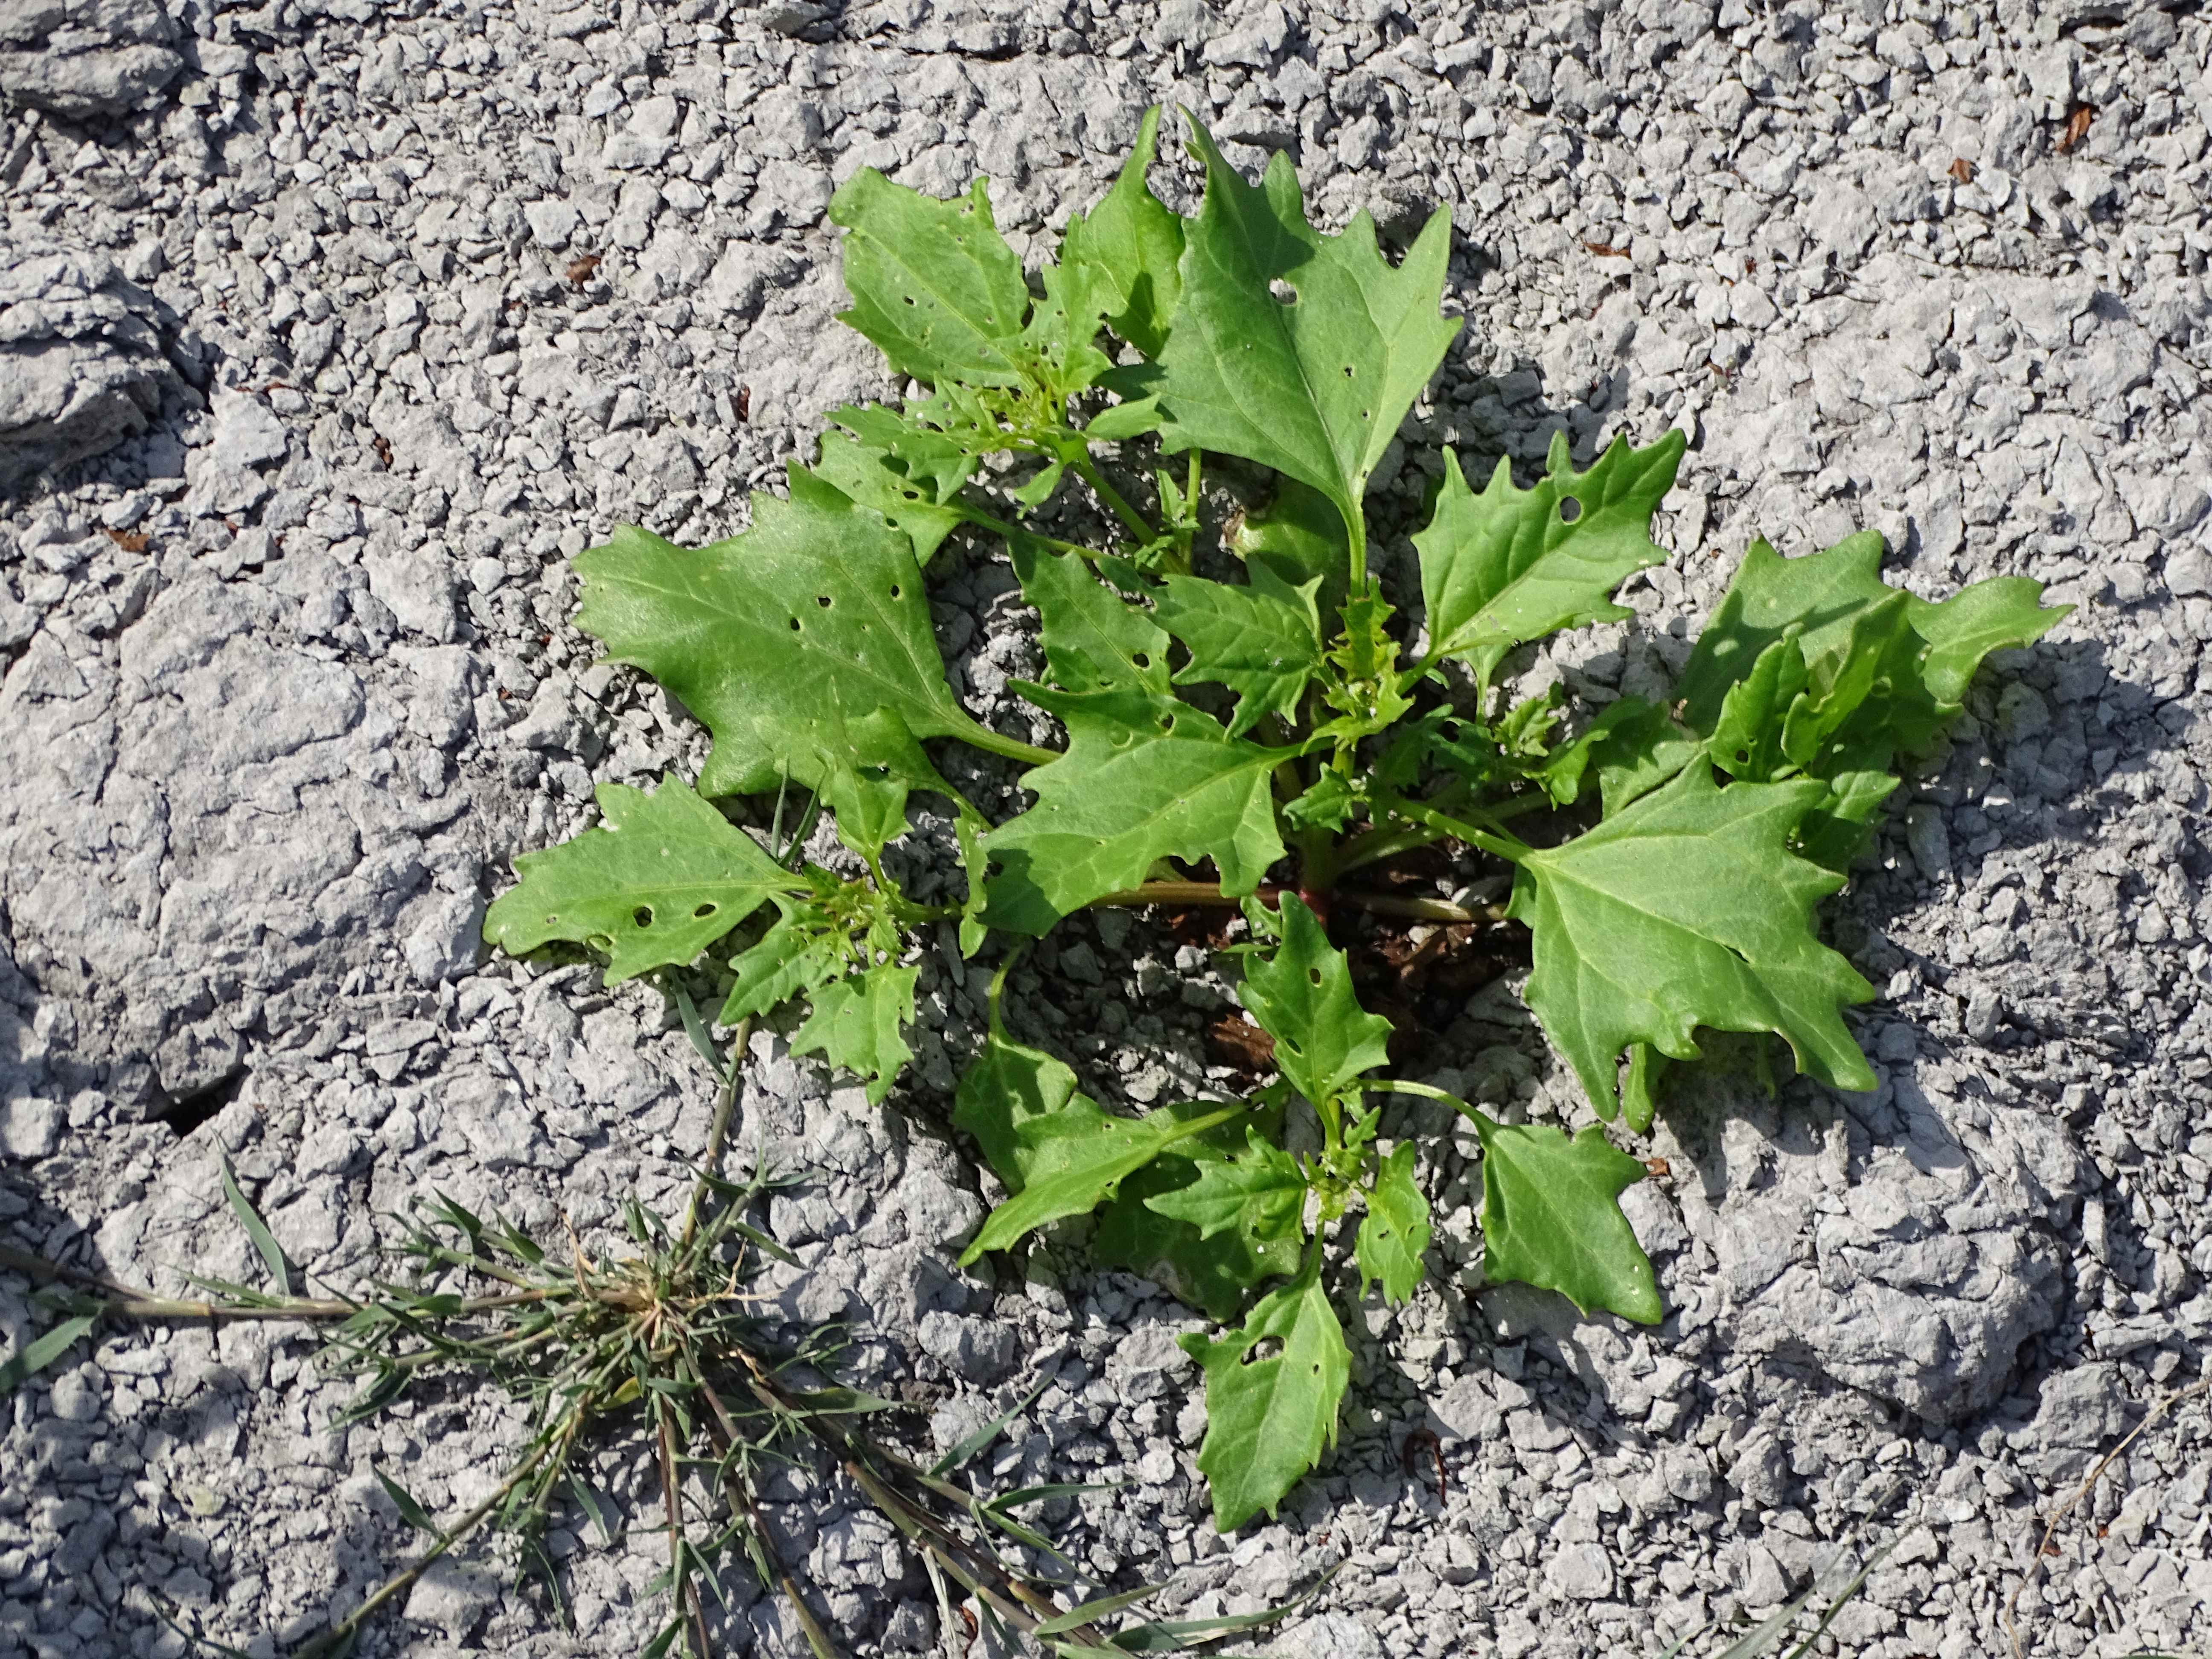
[1114, 498]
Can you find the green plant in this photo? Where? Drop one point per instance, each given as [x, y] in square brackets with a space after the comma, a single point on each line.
[665, 1342]
[1665, 861]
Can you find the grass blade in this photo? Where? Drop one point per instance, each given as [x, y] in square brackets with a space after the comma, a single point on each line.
[696, 1029]
[1098, 1609]
[258, 1230]
[983, 1437]
[410, 1511]
[34, 1357]
[1844, 1595]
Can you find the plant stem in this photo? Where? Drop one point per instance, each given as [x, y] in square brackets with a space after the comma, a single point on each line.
[1500, 847]
[1114, 499]
[334, 1639]
[997, 526]
[998, 743]
[725, 1102]
[1209, 894]
[687, 1599]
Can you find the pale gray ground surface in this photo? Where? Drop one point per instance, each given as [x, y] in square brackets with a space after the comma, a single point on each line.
[259, 772]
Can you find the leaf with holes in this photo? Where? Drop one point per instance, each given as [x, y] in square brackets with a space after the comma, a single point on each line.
[1314, 383]
[933, 283]
[1258, 1189]
[1094, 640]
[1302, 994]
[662, 878]
[777, 637]
[1144, 778]
[911, 475]
[1393, 1234]
[1687, 909]
[1551, 1216]
[1510, 565]
[856, 1024]
[1272, 1393]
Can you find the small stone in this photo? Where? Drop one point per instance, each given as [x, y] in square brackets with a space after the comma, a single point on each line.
[30, 1128]
[1582, 1572]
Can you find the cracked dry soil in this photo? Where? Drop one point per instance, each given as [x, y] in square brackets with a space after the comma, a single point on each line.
[329, 329]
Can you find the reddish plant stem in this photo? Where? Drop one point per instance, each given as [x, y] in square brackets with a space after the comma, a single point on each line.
[1185, 894]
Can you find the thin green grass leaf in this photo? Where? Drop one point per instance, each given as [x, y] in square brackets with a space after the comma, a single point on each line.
[696, 1029]
[35, 1356]
[272, 1254]
[960, 1453]
[1092, 1611]
[410, 1511]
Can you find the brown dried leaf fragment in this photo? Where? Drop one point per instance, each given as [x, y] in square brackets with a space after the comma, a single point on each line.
[1962, 170]
[1606, 250]
[1238, 1042]
[2077, 127]
[581, 268]
[382, 446]
[130, 541]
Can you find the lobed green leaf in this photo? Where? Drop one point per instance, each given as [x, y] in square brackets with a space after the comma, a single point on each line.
[1313, 385]
[1393, 1234]
[856, 1024]
[1270, 1415]
[780, 638]
[662, 878]
[933, 283]
[1136, 243]
[1302, 994]
[1262, 640]
[1508, 566]
[1144, 778]
[1687, 909]
[1552, 1218]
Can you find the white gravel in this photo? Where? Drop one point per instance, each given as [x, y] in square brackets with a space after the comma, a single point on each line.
[299, 297]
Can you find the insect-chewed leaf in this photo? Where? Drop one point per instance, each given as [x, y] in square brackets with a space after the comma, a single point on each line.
[1259, 1188]
[1302, 993]
[1269, 1416]
[1551, 1216]
[1687, 909]
[1072, 1159]
[662, 878]
[1314, 386]
[1062, 332]
[1748, 737]
[1508, 566]
[908, 473]
[855, 1024]
[933, 283]
[1261, 640]
[1134, 239]
[1094, 640]
[779, 637]
[1144, 778]
[1395, 1232]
